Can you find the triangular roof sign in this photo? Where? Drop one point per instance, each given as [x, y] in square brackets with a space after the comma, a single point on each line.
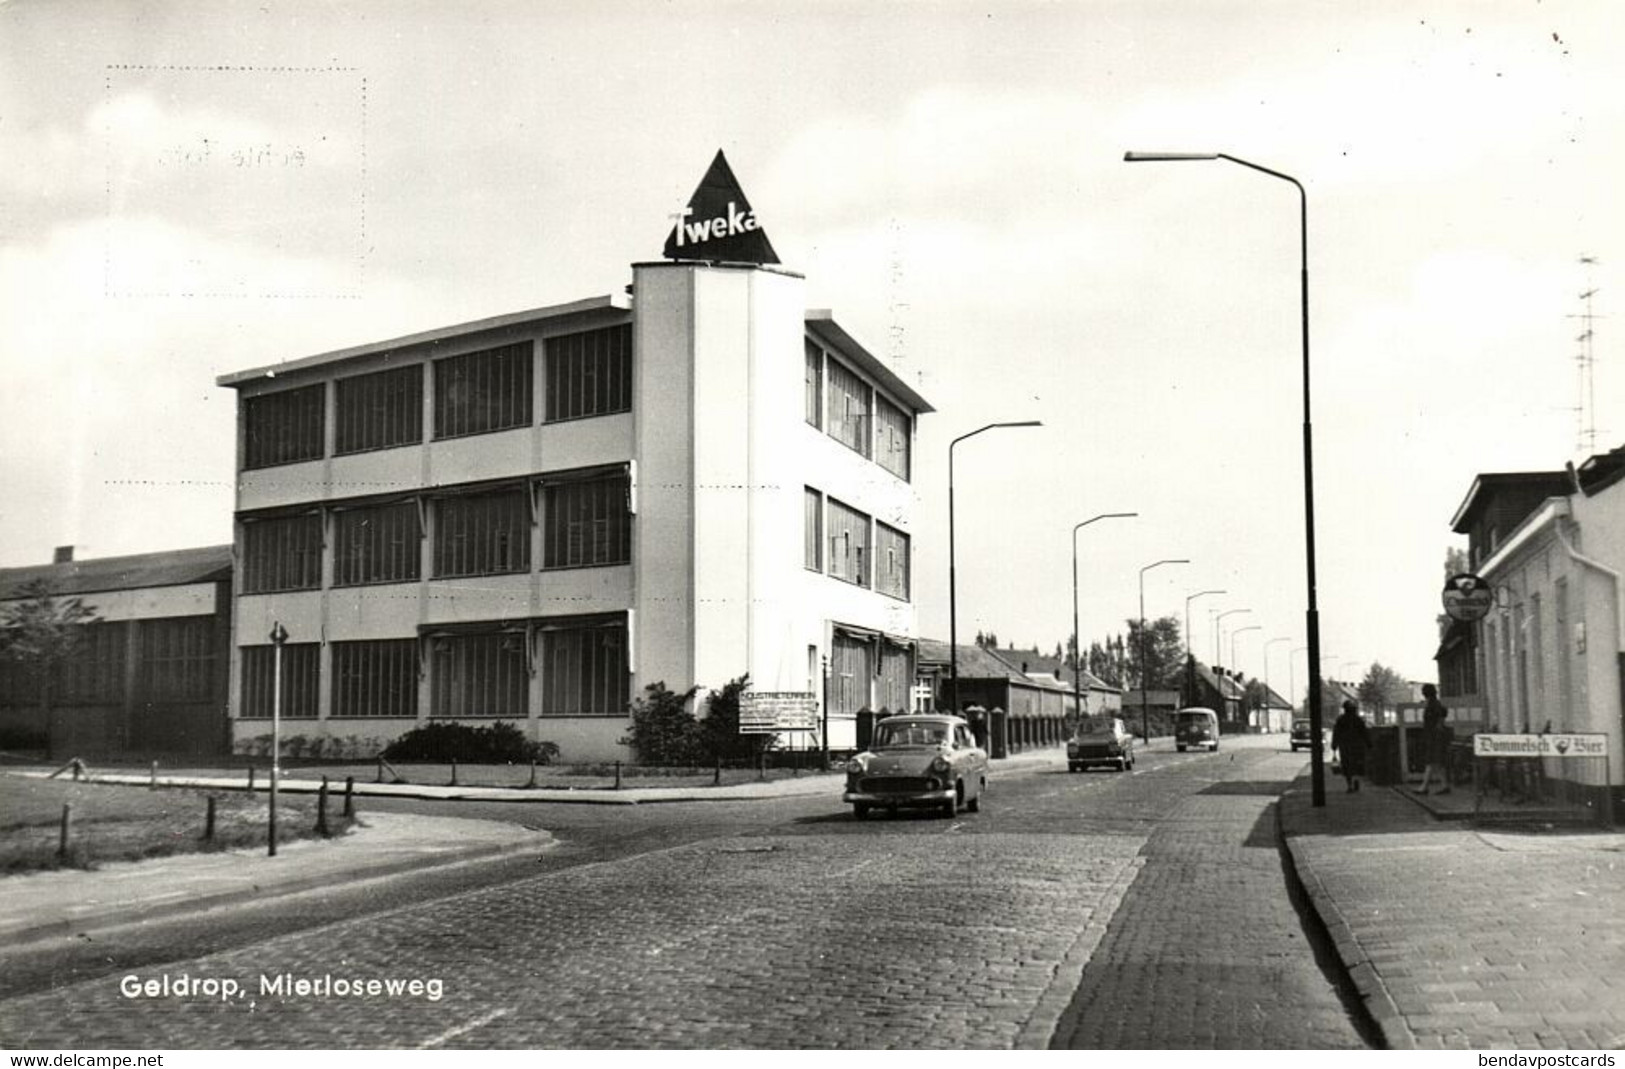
[719, 224]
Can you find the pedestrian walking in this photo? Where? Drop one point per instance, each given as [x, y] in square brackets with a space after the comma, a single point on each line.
[1435, 741]
[1349, 743]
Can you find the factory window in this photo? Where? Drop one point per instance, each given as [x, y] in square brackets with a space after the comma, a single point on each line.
[587, 524]
[378, 544]
[485, 391]
[815, 384]
[375, 679]
[891, 438]
[891, 561]
[589, 374]
[300, 670]
[380, 411]
[482, 534]
[480, 676]
[282, 553]
[283, 427]
[848, 538]
[849, 406]
[93, 674]
[584, 671]
[813, 552]
[178, 659]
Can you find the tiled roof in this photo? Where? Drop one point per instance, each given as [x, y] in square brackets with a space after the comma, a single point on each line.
[175, 567]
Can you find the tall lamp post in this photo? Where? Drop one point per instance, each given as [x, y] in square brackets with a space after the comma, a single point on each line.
[1077, 636]
[1317, 764]
[1145, 683]
[279, 638]
[1218, 633]
[953, 590]
[1267, 686]
[1190, 658]
[1234, 658]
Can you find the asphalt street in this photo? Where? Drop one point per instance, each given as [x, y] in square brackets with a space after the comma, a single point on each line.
[1105, 909]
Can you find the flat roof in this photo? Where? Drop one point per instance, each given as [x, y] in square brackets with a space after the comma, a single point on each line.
[430, 337]
[821, 321]
[1487, 482]
[173, 567]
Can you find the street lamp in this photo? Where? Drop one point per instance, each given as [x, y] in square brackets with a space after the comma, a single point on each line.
[279, 638]
[1145, 696]
[1235, 660]
[1312, 612]
[1218, 633]
[953, 594]
[1190, 658]
[1077, 636]
[1267, 646]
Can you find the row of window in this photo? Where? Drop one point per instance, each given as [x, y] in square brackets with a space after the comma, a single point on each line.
[170, 660]
[846, 408]
[583, 670]
[837, 543]
[586, 374]
[585, 523]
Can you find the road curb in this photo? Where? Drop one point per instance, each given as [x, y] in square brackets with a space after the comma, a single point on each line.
[119, 916]
[1379, 1005]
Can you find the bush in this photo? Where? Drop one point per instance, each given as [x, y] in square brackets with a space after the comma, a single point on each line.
[498, 743]
[21, 739]
[719, 731]
[664, 731]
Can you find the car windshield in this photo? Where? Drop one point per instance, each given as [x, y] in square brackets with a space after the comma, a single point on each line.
[910, 733]
[1300, 725]
[1192, 720]
[1095, 725]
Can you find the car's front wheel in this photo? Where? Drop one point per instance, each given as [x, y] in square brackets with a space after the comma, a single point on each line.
[975, 804]
[860, 810]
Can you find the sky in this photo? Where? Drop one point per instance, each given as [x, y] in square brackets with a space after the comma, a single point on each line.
[191, 189]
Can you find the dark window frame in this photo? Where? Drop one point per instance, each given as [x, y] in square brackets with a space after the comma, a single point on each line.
[377, 544]
[294, 559]
[375, 679]
[892, 549]
[284, 427]
[378, 410]
[587, 523]
[494, 528]
[483, 676]
[584, 671]
[301, 681]
[485, 391]
[587, 373]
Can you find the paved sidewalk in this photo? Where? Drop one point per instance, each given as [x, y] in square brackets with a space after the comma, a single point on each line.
[1465, 938]
[43, 905]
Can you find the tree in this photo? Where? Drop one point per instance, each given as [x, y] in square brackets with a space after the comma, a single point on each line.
[1164, 652]
[39, 633]
[719, 731]
[1382, 688]
[1105, 662]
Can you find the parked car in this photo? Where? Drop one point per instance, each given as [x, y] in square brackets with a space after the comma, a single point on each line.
[1303, 738]
[926, 760]
[1100, 740]
[1196, 726]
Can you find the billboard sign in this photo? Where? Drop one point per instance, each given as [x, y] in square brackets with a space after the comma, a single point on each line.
[1540, 745]
[766, 712]
[1467, 597]
[719, 223]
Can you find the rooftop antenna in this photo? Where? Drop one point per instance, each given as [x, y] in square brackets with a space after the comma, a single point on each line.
[1585, 410]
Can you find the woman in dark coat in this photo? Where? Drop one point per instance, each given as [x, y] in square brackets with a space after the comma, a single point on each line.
[1350, 742]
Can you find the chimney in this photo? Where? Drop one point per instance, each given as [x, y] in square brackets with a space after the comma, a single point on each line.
[63, 555]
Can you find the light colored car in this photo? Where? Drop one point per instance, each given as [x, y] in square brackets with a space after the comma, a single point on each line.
[1100, 740]
[925, 760]
[1196, 726]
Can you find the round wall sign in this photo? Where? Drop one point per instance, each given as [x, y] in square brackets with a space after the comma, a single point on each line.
[1467, 597]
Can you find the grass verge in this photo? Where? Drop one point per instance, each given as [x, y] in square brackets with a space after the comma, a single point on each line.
[122, 823]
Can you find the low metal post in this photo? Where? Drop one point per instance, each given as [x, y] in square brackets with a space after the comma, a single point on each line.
[532, 781]
[617, 775]
[761, 767]
[152, 780]
[67, 830]
[250, 779]
[716, 778]
[453, 772]
[321, 811]
[380, 778]
[349, 796]
[208, 820]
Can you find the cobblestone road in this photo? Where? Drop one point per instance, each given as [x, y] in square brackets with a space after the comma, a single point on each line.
[1208, 950]
[817, 932]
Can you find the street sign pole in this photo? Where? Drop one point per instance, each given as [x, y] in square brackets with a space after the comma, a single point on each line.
[279, 636]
